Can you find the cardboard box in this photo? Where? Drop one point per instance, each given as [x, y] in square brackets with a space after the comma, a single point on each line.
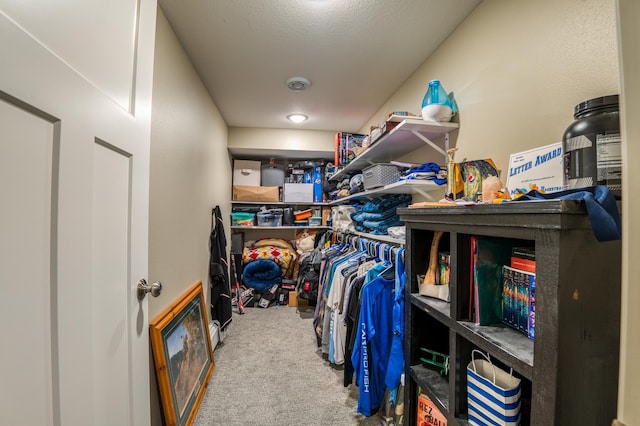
[298, 193]
[268, 194]
[469, 176]
[317, 184]
[326, 216]
[246, 172]
[293, 299]
[428, 413]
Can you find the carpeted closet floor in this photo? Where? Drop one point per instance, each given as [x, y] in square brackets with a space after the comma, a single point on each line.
[269, 371]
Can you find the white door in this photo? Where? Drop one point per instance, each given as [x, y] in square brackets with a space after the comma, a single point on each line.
[75, 98]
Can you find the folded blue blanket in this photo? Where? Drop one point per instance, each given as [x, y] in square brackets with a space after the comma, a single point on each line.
[382, 226]
[426, 171]
[261, 274]
[386, 202]
[426, 167]
[360, 216]
[601, 208]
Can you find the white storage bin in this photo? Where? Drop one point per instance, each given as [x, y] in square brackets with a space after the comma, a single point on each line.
[246, 172]
[380, 175]
[298, 193]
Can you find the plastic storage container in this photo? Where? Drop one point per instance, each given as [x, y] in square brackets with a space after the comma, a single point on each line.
[302, 214]
[315, 221]
[242, 218]
[380, 175]
[592, 146]
[271, 217]
[272, 174]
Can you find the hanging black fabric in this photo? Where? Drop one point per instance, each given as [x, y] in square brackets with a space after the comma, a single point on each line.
[219, 271]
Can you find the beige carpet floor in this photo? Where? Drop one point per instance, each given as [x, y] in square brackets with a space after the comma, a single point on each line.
[269, 371]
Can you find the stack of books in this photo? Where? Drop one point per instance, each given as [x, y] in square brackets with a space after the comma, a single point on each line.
[518, 291]
[502, 284]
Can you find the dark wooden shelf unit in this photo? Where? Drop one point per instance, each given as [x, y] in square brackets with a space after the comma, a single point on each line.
[569, 372]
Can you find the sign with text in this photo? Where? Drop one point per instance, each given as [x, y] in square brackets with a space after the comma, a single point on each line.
[538, 168]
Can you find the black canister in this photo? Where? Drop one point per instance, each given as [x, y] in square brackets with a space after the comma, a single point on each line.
[288, 217]
[592, 146]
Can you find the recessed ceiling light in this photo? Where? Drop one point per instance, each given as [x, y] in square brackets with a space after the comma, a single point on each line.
[298, 84]
[297, 118]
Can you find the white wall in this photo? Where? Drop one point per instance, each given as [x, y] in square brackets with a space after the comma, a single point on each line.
[517, 69]
[280, 143]
[629, 34]
[190, 171]
[190, 174]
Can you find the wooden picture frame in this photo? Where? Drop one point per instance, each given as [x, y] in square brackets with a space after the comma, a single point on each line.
[183, 356]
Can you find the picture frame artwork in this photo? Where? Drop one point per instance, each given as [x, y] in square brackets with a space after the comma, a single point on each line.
[183, 356]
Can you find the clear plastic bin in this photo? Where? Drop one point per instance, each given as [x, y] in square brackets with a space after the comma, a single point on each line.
[242, 219]
[269, 219]
[315, 221]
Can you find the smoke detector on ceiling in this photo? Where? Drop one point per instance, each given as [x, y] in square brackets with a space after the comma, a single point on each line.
[298, 84]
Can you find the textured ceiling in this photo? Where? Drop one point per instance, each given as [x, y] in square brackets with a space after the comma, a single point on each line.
[356, 53]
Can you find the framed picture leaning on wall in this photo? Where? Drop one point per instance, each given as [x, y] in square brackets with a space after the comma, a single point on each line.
[183, 356]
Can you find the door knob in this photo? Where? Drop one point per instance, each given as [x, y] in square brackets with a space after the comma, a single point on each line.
[143, 288]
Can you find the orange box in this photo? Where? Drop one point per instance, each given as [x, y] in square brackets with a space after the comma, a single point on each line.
[428, 414]
[302, 214]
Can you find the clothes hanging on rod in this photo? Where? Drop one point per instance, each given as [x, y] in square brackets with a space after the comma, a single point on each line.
[359, 316]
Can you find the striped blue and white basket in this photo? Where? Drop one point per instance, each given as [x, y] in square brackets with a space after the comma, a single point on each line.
[493, 395]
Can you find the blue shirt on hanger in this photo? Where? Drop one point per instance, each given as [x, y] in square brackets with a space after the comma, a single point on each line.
[373, 343]
[395, 367]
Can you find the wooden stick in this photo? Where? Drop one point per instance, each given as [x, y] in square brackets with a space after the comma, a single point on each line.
[430, 276]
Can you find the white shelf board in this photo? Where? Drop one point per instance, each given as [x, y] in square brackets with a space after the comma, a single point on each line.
[422, 187]
[271, 228]
[280, 154]
[399, 141]
[277, 203]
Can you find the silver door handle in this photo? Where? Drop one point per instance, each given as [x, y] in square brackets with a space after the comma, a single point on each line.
[143, 288]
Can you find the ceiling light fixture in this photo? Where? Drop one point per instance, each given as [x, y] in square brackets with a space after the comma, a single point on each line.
[297, 118]
[298, 84]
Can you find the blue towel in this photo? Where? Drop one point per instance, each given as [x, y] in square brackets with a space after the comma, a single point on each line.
[601, 208]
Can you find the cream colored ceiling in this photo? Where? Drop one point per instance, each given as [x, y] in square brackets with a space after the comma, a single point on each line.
[356, 53]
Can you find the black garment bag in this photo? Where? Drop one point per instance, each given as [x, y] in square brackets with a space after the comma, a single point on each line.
[219, 271]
